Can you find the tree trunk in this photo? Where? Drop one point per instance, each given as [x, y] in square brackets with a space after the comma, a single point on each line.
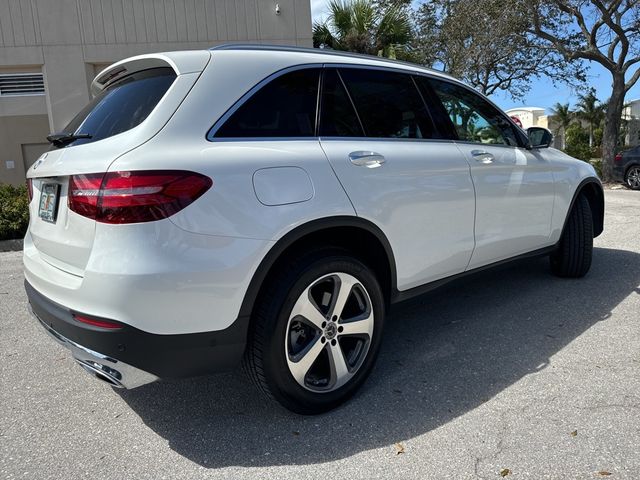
[612, 122]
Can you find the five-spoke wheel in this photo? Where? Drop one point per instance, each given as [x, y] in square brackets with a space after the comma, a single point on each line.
[632, 177]
[316, 331]
[329, 332]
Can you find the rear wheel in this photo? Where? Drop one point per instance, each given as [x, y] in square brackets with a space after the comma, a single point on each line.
[316, 332]
[632, 177]
[573, 257]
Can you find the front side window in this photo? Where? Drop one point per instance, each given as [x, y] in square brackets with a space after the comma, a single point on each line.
[284, 107]
[474, 119]
[121, 106]
[388, 104]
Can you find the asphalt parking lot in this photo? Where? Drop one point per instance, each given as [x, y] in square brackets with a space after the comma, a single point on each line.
[511, 371]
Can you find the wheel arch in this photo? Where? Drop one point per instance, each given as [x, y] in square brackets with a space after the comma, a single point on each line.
[592, 189]
[361, 236]
[632, 163]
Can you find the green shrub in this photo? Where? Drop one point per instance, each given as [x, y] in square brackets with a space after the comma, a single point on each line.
[14, 211]
[577, 142]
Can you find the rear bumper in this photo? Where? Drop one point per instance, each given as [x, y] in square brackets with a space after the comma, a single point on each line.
[129, 357]
[112, 371]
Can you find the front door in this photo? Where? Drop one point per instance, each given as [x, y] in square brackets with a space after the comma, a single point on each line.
[514, 186]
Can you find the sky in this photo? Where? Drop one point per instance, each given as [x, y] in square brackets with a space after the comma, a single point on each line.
[543, 93]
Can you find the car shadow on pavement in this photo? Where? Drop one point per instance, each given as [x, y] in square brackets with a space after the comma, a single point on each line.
[444, 354]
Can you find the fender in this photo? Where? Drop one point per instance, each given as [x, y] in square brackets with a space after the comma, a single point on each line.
[597, 208]
[302, 231]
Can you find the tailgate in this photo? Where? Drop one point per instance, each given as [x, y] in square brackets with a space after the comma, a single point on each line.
[128, 110]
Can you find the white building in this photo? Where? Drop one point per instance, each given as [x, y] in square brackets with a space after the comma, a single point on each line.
[632, 110]
[536, 117]
[528, 116]
[631, 114]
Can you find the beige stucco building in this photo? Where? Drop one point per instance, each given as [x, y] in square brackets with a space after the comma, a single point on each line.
[529, 116]
[50, 50]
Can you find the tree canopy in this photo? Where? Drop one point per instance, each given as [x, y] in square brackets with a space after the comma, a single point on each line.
[488, 45]
[364, 27]
[602, 31]
[501, 45]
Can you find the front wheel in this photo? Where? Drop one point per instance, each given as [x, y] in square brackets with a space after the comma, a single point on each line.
[573, 256]
[316, 332]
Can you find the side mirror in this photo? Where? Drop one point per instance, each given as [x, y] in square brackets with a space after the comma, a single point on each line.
[539, 137]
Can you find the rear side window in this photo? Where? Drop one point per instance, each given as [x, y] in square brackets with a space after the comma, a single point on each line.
[121, 106]
[474, 119]
[388, 104]
[337, 116]
[284, 107]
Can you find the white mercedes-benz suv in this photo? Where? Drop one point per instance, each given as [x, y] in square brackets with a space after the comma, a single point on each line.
[266, 205]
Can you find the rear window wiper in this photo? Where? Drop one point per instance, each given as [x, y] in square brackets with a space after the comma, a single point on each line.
[65, 138]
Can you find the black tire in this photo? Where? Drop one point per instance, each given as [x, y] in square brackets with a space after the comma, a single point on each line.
[573, 257]
[266, 358]
[632, 177]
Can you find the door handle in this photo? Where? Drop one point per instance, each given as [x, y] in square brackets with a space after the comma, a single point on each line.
[482, 156]
[366, 159]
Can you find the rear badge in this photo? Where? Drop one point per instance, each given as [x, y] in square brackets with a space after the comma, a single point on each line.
[40, 161]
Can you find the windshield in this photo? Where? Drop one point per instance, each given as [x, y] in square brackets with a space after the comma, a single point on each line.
[121, 106]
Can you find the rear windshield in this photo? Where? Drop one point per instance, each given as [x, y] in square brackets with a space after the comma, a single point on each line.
[121, 106]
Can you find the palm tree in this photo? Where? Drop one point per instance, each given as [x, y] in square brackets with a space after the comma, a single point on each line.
[358, 26]
[590, 110]
[563, 117]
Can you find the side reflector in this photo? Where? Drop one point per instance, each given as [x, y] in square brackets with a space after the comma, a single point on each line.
[97, 322]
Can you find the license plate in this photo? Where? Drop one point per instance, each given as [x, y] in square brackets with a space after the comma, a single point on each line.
[49, 202]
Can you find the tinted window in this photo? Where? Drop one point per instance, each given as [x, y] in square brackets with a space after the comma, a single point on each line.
[337, 116]
[121, 106]
[388, 104]
[285, 107]
[474, 119]
[437, 111]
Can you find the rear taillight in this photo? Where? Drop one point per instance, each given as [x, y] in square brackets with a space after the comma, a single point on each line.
[30, 189]
[97, 322]
[618, 158]
[133, 197]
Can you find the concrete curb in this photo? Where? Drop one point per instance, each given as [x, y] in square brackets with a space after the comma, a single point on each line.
[10, 245]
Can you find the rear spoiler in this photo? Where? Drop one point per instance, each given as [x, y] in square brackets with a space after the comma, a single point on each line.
[180, 62]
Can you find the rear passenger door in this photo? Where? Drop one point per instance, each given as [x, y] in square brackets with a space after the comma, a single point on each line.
[514, 186]
[399, 170]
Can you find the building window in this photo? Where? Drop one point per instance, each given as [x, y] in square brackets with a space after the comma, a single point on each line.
[20, 84]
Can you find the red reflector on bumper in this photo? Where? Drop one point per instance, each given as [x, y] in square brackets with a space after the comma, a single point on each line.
[97, 322]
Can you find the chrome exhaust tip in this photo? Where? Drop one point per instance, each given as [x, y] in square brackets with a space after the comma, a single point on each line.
[101, 366]
[102, 372]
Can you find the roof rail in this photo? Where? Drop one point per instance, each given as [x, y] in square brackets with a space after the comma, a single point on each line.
[321, 51]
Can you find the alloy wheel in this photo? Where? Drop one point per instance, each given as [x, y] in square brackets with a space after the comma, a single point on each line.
[329, 332]
[633, 177]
